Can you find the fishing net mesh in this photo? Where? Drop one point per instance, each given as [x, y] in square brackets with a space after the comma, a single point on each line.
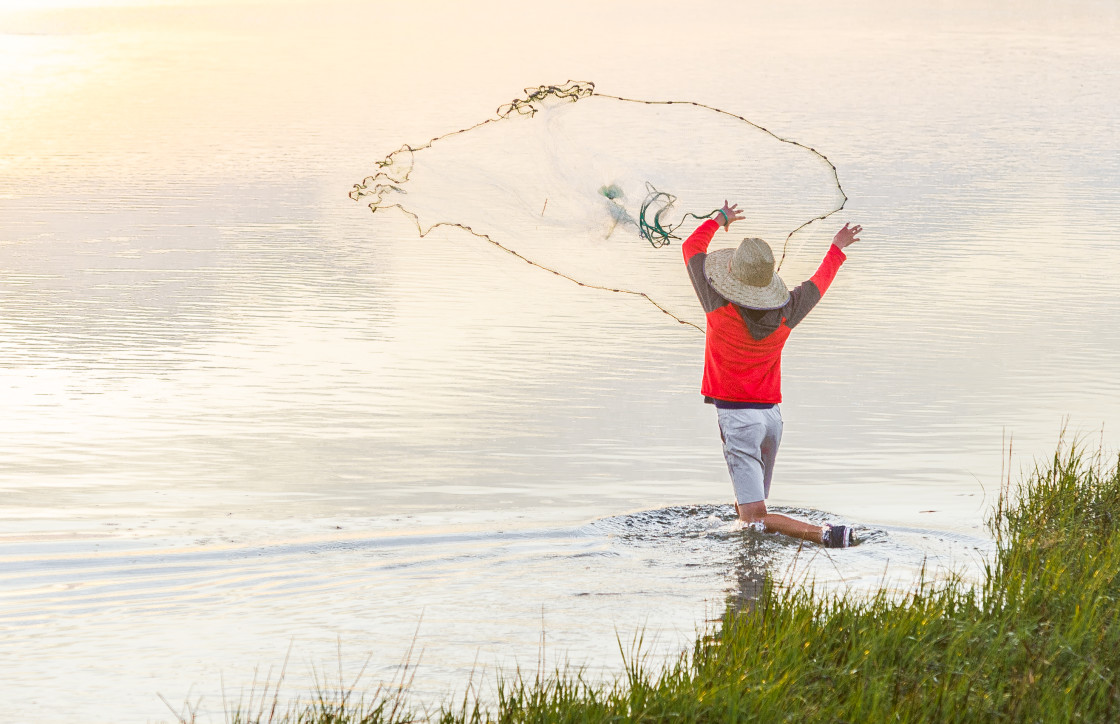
[601, 189]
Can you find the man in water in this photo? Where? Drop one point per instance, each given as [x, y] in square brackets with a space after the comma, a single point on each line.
[750, 314]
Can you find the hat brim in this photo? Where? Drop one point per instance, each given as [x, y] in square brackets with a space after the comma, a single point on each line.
[772, 296]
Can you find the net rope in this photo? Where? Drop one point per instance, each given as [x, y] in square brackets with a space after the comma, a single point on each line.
[653, 221]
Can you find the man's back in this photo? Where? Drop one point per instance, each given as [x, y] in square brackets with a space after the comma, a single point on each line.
[743, 349]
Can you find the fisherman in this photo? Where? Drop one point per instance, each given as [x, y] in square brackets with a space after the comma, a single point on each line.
[750, 314]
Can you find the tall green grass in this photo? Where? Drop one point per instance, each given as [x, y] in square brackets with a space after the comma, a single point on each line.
[1037, 640]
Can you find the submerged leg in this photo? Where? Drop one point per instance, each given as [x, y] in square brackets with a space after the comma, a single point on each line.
[778, 523]
[751, 437]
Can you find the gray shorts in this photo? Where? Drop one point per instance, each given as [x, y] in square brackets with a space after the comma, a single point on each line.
[750, 446]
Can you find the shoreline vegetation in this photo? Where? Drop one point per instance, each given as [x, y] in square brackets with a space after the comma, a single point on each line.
[1038, 639]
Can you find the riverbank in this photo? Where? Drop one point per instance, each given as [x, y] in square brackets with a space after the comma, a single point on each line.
[1038, 639]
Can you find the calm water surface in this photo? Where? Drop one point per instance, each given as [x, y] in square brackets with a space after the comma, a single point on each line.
[240, 415]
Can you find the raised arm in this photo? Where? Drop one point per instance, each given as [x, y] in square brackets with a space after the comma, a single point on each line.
[806, 295]
[695, 250]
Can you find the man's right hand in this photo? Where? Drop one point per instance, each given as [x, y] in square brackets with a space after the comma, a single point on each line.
[846, 236]
[729, 214]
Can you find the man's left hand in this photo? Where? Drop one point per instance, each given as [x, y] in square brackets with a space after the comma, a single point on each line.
[847, 236]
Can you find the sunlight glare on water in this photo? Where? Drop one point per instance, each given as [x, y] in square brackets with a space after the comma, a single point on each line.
[241, 414]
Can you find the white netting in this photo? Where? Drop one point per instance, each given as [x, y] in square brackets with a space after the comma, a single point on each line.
[561, 177]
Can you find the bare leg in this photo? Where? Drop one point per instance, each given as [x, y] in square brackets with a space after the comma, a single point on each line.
[777, 523]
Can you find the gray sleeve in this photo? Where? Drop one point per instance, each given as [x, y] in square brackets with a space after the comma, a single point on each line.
[710, 299]
[801, 302]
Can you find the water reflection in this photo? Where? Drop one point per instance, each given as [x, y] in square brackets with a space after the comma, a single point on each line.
[660, 574]
[238, 410]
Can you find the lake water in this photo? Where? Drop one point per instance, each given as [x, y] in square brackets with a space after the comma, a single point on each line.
[240, 416]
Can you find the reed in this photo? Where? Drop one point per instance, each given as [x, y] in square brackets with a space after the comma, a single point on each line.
[1037, 640]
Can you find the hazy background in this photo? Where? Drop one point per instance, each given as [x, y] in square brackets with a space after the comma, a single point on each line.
[238, 412]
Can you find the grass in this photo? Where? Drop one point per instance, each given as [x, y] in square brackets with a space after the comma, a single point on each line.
[1037, 640]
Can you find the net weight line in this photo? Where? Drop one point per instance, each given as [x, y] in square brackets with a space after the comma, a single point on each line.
[656, 204]
[667, 235]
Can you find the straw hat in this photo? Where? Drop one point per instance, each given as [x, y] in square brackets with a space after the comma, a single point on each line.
[746, 275]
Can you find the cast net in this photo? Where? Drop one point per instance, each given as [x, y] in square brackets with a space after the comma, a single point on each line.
[602, 190]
